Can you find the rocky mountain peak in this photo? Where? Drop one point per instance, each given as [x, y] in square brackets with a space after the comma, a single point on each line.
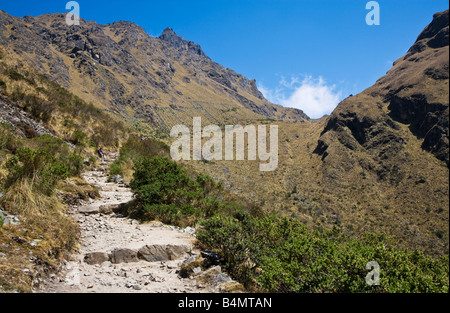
[439, 25]
[414, 93]
[180, 44]
[125, 26]
[434, 36]
[168, 32]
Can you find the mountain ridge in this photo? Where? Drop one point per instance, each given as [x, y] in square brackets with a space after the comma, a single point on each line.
[121, 68]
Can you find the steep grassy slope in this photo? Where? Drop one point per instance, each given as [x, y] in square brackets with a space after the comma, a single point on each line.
[51, 109]
[48, 136]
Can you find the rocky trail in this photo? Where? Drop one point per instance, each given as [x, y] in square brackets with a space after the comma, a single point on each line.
[119, 255]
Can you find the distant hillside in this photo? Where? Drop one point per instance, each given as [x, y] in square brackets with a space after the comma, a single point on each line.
[378, 163]
[159, 81]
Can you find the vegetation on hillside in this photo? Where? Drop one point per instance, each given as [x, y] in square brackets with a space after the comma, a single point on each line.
[37, 176]
[276, 254]
[270, 253]
[64, 113]
[366, 168]
[40, 174]
[134, 150]
[164, 191]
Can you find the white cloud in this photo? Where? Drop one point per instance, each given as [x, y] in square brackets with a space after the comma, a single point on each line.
[311, 95]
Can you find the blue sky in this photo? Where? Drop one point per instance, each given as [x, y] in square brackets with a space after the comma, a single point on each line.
[313, 51]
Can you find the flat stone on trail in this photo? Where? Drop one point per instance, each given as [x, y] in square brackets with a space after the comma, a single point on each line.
[155, 253]
[124, 256]
[177, 251]
[89, 210]
[109, 208]
[96, 258]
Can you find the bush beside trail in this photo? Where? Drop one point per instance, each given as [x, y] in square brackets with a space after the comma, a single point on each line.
[37, 176]
[273, 254]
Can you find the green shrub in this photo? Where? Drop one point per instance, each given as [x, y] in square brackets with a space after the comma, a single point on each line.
[93, 161]
[281, 255]
[78, 137]
[115, 169]
[46, 161]
[164, 191]
[39, 108]
[228, 235]
[38, 166]
[106, 135]
[18, 94]
[15, 75]
[7, 139]
[75, 165]
[50, 144]
[135, 149]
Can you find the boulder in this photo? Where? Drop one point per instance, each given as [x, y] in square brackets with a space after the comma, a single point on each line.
[115, 179]
[208, 276]
[6, 219]
[89, 210]
[3, 219]
[109, 208]
[124, 256]
[156, 253]
[191, 266]
[215, 278]
[212, 258]
[221, 279]
[96, 258]
[153, 253]
[177, 251]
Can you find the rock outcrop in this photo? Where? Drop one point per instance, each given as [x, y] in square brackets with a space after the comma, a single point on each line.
[23, 124]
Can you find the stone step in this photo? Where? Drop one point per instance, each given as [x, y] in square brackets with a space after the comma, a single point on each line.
[149, 253]
[101, 209]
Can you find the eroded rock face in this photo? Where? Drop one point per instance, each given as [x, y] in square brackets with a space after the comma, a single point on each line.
[20, 121]
[435, 35]
[427, 120]
[180, 44]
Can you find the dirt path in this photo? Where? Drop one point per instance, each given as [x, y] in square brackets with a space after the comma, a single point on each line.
[118, 255]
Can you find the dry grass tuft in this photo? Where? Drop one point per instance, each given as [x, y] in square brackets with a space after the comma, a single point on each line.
[37, 245]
